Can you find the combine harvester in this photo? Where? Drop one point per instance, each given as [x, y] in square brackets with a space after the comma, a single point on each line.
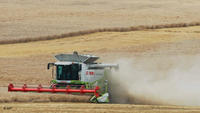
[76, 74]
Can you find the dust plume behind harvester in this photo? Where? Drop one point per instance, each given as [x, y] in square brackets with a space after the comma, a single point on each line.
[75, 74]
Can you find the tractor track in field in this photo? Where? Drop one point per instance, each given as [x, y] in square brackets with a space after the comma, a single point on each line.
[86, 32]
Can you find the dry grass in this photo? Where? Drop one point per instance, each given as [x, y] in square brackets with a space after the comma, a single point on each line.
[117, 29]
[136, 41]
[94, 108]
[21, 19]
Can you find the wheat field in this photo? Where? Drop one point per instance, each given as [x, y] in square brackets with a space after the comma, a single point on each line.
[111, 29]
[94, 108]
[21, 19]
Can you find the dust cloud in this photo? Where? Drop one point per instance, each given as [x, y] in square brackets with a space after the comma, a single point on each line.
[171, 80]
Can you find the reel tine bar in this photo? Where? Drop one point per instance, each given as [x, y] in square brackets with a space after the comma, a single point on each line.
[40, 89]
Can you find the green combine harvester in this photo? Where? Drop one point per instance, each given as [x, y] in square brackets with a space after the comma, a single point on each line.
[76, 74]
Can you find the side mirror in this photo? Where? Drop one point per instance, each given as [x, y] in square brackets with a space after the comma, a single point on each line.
[117, 67]
[49, 65]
